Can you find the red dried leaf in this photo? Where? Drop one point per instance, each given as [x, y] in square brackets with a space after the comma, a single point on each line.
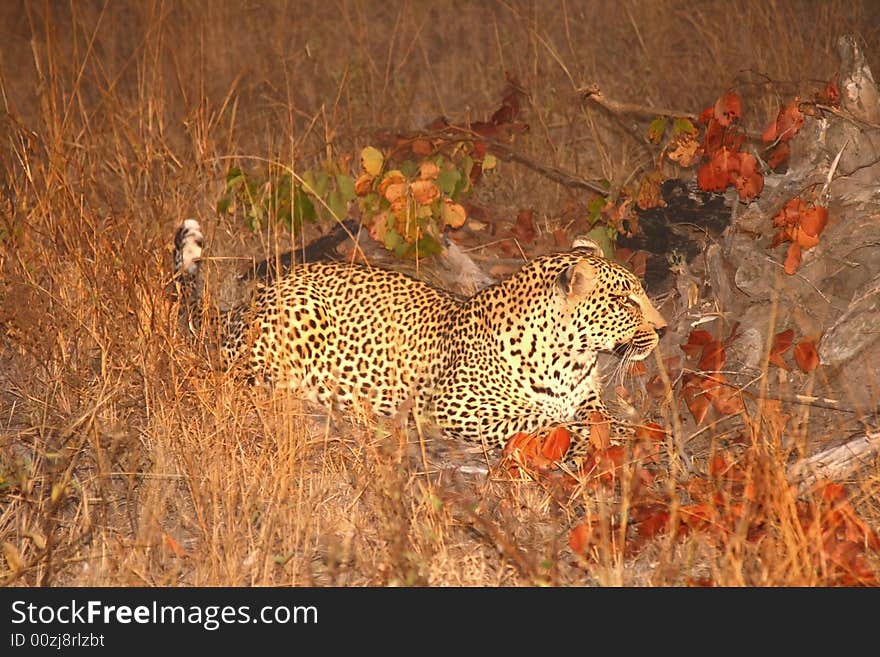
[560, 238]
[715, 175]
[792, 258]
[422, 147]
[654, 523]
[790, 214]
[656, 387]
[805, 356]
[697, 339]
[651, 431]
[718, 465]
[173, 545]
[727, 401]
[781, 344]
[727, 109]
[556, 444]
[749, 183]
[697, 402]
[713, 357]
[832, 492]
[803, 240]
[638, 263]
[778, 155]
[600, 430]
[638, 369]
[698, 516]
[580, 538]
[650, 195]
[830, 95]
[524, 230]
[814, 220]
[789, 120]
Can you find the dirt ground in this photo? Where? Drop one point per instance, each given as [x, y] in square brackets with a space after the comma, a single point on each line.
[125, 459]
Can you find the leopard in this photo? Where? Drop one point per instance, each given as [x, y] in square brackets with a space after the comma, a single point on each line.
[518, 356]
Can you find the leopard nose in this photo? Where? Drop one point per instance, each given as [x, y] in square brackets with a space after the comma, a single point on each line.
[660, 331]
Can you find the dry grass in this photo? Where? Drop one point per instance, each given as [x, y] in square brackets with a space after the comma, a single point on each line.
[125, 460]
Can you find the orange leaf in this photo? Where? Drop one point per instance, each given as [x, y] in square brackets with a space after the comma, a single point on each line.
[651, 431]
[394, 177]
[655, 387]
[789, 121]
[719, 464]
[453, 214]
[830, 95]
[654, 523]
[833, 492]
[638, 369]
[804, 240]
[697, 402]
[424, 192]
[579, 538]
[422, 147]
[713, 357]
[715, 175]
[727, 401]
[174, 545]
[749, 183]
[524, 230]
[650, 195]
[727, 109]
[792, 258]
[805, 356]
[556, 444]
[779, 155]
[684, 149]
[428, 171]
[600, 430]
[769, 133]
[393, 191]
[814, 220]
[781, 344]
[363, 185]
[698, 516]
[697, 339]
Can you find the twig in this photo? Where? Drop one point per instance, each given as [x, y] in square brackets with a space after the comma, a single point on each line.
[593, 94]
[556, 175]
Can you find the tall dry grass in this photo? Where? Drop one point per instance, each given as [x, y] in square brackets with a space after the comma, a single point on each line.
[124, 459]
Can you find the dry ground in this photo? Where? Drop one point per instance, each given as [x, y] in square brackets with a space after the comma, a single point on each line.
[125, 460]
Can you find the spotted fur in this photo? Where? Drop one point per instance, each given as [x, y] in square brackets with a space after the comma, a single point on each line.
[520, 355]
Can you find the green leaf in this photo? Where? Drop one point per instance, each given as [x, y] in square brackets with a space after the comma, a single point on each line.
[338, 205]
[600, 235]
[372, 160]
[224, 205]
[322, 184]
[489, 162]
[408, 168]
[234, 178]
[345, 185]
[303, 207]
[683, 125]
[657, 129]
[447, 180]
[594, 208]
[391, 238]
[467, 166]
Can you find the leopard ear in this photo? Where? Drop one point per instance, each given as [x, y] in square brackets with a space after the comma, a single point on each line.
[577, 281]
[584, 242]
